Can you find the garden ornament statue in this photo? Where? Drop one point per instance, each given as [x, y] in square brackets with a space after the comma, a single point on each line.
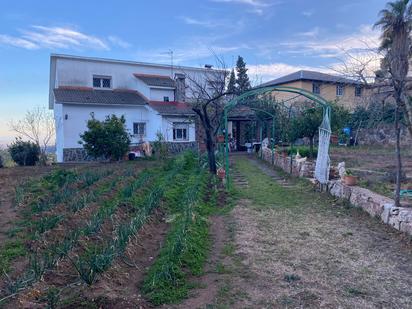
[341, 170]
[265, 143]
[147, 149]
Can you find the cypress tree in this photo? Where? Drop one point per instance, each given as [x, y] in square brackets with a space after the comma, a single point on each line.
[242, 80]
[231, 86]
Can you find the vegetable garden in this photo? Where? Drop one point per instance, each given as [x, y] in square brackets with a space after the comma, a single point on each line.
[130, 233]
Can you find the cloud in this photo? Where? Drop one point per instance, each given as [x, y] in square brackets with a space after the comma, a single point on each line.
[190, 53]
[366, 38]
[17, 42]
[267, 72]
[59, 37]
[118, 41]
[257, 6]
[197, 22]
[36, 37]
[308, 13]
[311, 33]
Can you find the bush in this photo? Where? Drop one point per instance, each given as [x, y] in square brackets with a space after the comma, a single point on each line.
[24, 153]
[108, 138]
[303, 151]
[1, 162]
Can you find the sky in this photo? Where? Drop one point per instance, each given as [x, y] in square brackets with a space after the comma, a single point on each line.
[275, 37]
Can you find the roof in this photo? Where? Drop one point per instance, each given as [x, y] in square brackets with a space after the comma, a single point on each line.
[241, 112]
[156, 80]
[312, 76]
[83, 95]
[172, 108]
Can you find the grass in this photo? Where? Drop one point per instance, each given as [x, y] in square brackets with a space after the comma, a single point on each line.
[10, 251]
[306, 249]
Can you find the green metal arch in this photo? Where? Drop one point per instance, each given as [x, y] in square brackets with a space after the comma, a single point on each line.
[263, 90]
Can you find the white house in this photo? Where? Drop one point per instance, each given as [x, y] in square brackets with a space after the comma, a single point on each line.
[152, 97]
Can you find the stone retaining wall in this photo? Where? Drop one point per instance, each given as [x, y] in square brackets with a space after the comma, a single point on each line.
[375, 204]
[174, 148]
[80, 155]
[76, 155]
[301, 169]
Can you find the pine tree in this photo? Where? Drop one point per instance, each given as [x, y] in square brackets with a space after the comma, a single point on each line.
[231, 86]
[242, 80]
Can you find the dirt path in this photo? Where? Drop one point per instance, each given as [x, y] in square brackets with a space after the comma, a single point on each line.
[296, 248]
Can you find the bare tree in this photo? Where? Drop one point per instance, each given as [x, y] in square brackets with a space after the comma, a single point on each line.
[38, 126]
[208, 93]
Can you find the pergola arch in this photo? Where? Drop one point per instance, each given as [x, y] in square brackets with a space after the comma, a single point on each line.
[322, 162]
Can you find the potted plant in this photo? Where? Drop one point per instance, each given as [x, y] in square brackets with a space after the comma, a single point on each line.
[221, 173]
[350, 179]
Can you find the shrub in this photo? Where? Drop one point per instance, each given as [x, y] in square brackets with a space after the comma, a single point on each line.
[24, 153]
[304, 151]
[108, 138]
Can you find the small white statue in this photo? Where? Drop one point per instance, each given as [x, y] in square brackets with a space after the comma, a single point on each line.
[341, 169]
[265, 143]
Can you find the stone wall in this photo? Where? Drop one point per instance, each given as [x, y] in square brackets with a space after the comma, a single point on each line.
[80, 155]
[76, 155]
[384, 135]
[174, 148]
[299, 169]
[374, 204]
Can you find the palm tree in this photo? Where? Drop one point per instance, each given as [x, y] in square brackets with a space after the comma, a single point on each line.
[396, 24]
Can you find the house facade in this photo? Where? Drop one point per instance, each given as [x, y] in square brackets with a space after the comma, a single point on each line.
[152, 98]
[344, 91]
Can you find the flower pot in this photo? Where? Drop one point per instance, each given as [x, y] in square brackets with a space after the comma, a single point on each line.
[350, 180]
[334, 139]
[220, 138]
[221, 173]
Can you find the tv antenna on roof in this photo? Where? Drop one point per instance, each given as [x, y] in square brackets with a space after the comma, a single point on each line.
[170, 52]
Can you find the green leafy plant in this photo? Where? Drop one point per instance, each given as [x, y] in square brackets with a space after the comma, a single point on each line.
[24, 153]
[108, 138]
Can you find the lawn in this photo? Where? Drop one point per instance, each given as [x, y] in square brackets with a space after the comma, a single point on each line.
[292, 247]
[123, 234]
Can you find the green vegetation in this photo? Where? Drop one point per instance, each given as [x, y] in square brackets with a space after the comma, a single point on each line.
[115, 204]
[10, 251]
[187, 243]
[24, 153]
[108, 139]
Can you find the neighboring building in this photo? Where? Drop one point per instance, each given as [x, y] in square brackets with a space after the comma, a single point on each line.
[347, 92]
[151, 97]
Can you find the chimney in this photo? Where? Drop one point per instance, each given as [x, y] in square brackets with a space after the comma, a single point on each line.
[180, 92]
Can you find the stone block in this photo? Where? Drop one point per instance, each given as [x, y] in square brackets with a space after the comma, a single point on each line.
[394, 222]
[406, 227]
[405, 215]
[386, 213]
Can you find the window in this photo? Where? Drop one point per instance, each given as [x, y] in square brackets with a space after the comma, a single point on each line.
[102, 82]
[180, 131]
[340, 90]
[358, 91]
[165, 99]
[139, 128]
[316, 88]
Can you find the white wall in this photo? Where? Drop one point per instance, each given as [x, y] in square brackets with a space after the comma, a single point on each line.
[79, 72]
[158, 94]
[77, 116]
[167, 128]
